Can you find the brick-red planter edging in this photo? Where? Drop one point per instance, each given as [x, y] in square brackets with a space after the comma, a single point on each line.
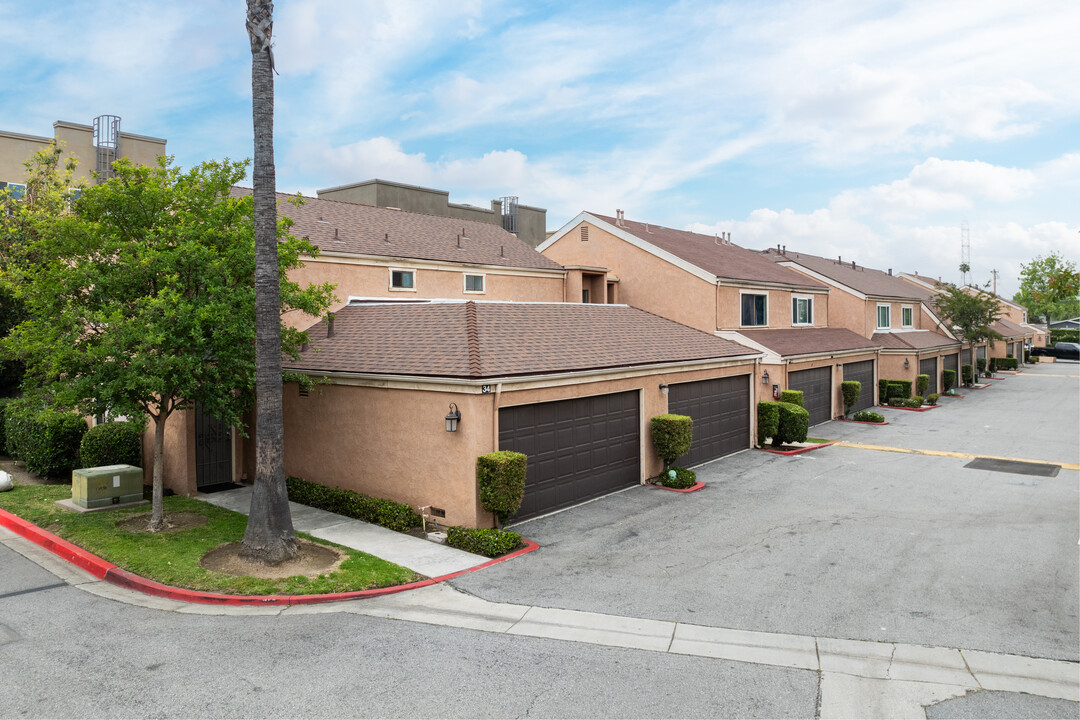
[860, 422]
[918, 409]
[693, 488]
[797, 451]
[107, 571]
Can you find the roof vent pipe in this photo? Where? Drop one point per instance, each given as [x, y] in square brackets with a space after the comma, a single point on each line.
[784, 251]
[839, 260]
[502, 251]
[386, 237]
[890, 272]
[459, 241]
[330, 327]
[852, 264]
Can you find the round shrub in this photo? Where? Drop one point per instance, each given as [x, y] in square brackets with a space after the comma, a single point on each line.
[931, 399]
[768, 419]
[112, 443]
[793, 426]
[867, 416]
[47, 441]
[921, 383]
[851, 390]
[682, 479]
[915, 402]
[672, 436]
[968, 374]
[795, 397]
[501, 477]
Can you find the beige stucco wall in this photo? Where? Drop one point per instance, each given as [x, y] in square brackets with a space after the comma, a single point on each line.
[178, 472]
[778, 375]
[370, 279]
[645, 281]
[15, 149]
[77, 141]
[778, 310]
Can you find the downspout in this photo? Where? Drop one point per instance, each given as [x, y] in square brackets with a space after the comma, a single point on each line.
[495, 417]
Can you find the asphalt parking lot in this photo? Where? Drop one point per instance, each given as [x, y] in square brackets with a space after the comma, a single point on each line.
[845, 542]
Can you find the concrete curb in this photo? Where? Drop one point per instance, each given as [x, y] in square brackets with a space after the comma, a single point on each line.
[693, 488]
[860, 422]
[918, 409]
[110, 573]
[799, 451]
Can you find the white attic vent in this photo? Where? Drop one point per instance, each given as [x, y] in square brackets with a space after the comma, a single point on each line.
[584, 233]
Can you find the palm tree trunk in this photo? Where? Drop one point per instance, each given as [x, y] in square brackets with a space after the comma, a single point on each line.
[269, 536]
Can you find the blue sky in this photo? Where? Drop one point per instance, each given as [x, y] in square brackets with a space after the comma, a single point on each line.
[870, 130]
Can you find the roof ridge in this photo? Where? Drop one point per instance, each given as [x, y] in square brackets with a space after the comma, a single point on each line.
[472, 335]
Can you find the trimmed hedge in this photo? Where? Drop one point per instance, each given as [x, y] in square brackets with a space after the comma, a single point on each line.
[491, 542]
[683, 478]
[948, 380]
[916, 402]
[895, 389]
[981, 364]
[883, 391]
[794, 397]
[932, 399]
[47, 441]
[672, 435]
[968, 373]
[112, 443]
[850, 390]
[921, 383]
[1065, 335]
[501, 479]
[378, 511]
[867, 416]
[793, 425]
[768, 420]
[1006, 363]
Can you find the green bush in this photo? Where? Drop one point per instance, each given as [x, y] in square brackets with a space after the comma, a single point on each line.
[768, 418]
[378, 511]
[672, 435]
[683, 478]
[915, 402]
[1065, 335]
[1009, 363]
[968, 374]
[948, 380]
[47, 441]
[867, 416]
[932, 399]
[501, 479]
[491, 542]
[112, 443]
[883, 391]
[904, 386]
[4, 403]
[795, 397]
[921, 383]
[981, 364]
[850, 390]
[793, 425]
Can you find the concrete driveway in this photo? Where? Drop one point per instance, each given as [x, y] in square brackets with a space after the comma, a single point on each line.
[845, 542]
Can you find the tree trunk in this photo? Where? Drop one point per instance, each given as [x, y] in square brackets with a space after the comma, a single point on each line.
[269, 537]
[157, 507]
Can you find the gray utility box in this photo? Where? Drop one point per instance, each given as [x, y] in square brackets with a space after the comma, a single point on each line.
[107, 485]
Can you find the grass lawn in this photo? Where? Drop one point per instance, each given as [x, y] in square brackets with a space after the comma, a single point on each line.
[173, 558]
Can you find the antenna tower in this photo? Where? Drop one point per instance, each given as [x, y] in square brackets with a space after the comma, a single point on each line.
[965, 253]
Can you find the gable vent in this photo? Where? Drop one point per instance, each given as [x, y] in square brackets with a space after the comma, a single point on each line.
[584, 233]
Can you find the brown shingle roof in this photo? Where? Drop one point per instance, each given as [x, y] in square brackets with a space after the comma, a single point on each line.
[1009, 329]
[809, 341]
[727, 261]
[495, 339]
[913, 340]
[863, 279]
[336, 226]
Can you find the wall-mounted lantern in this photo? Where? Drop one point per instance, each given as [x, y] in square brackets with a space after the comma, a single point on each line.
[907, 363]
[663, 388]
[453, 418]
[765, 378]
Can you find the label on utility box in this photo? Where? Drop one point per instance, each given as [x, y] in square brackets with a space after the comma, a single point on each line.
[116, 481]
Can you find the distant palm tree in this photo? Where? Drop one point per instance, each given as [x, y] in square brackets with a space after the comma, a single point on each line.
[269, 537]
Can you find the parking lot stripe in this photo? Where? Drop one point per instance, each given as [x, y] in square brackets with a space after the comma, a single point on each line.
[949, 453]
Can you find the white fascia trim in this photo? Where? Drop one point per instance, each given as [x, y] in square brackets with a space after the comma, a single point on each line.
[917, 281]
[937, 320]
[633, 240]
[755, 284]
[474, 386]
[792, 265]
[768, 356]
[329, 256]
[831, 354]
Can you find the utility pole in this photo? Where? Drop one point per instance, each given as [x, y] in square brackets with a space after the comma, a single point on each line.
[995, 274]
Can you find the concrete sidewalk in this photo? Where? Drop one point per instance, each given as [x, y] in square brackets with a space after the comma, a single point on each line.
[422, 556]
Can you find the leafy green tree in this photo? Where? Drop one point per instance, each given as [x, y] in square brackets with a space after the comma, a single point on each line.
[969, 314]
[141, 299]
[1048, 288]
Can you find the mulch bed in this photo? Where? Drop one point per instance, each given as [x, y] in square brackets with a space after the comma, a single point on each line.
[793, 449]
[863, 422]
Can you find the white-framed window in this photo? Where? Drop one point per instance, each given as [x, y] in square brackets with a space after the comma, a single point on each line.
[802, 310]
[907, 316]
[884, 316]
[402, 279]
[754, 310]
[474, 284]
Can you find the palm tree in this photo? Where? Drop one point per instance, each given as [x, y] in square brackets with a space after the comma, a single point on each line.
[269, 537]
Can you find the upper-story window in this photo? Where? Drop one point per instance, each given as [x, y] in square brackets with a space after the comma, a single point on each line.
[802, 311]
[884, 318]
[474, 283]
[907, 316]
[403, 280]
[755, 310]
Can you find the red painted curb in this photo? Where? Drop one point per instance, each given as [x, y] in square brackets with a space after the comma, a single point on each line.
[796, 452]
[107, 571]
[918, 409]
[693, 488]
[860, 422]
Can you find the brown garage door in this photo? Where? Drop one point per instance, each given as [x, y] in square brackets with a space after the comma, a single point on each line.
[965, 356]
[578, 449]
[721, 412]
[816, 385]
[928, 366]
[863, 372]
